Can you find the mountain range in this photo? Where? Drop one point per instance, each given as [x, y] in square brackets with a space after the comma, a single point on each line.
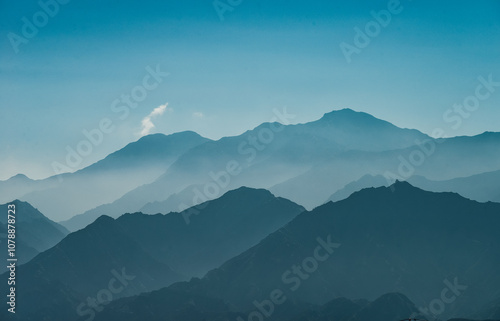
[389, 239]
[305, 163]
[398, 247]
[138, 163]
[156, 250]
[482, 187]
[347, 218]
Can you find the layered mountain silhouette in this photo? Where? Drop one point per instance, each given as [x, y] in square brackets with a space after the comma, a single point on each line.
[305, 163]
[177, 201]
[482, 187]
[35, 233]
[62, 196]
[389, 252]
[156, 250]
[442, 159]
[82, 265]
[17, 186]
[379, 240]
[380, 250]
[269, 154]
[362, 183]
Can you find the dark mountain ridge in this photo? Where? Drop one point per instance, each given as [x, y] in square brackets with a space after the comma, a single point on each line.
[391, 239]
[35, 233]
[156, 250]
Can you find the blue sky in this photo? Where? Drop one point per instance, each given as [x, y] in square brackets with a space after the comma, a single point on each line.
[225, 77]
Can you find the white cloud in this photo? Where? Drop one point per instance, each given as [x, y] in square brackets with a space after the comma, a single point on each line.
[198, 114]
[147, 123]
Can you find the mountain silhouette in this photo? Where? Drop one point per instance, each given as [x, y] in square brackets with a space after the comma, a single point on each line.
[482, 187]
[80, 266]
[390, 239]
[307, 163]
[364, 182]
[157, 249]
[436, 159]
[62, 196]
[35, 233]
[281, 153]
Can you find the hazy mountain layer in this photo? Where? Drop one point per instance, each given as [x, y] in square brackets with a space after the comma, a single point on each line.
[436, 159]
[481, 187]
[138, 163]
[263, 157]
[154, 250]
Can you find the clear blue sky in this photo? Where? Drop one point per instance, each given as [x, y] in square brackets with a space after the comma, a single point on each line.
[227, 76]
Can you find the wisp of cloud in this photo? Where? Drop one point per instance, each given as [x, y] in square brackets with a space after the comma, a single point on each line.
[147, 123]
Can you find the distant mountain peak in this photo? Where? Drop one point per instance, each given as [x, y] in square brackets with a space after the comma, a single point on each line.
[402, 188]
[245, 195]
[489, 134]
[354, 120]
[25, 211]
[246, 190]
[398, 189]
[20, 177]
[346, 112]
[150, 150]
[186, 133]
[158, 137]
[103, 220]
[20, 203]
[402, 184]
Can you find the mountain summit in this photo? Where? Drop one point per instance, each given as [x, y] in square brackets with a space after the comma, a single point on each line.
[388, 239]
